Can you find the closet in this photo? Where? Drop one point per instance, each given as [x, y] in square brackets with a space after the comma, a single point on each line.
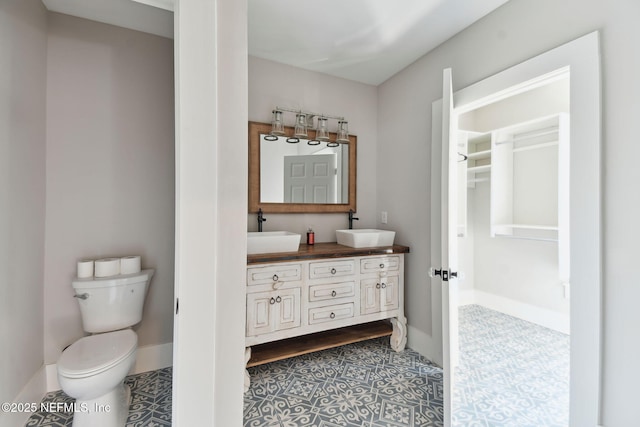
[513, 201]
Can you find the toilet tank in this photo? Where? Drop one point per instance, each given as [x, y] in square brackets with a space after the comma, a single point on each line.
[112, 303]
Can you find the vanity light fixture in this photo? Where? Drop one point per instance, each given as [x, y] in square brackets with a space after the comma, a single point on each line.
[300, 130]
[304, 121]
[343, 132]
[322, 131]
[277, 126]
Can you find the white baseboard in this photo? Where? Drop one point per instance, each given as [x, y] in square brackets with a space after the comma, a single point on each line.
[423, 344]
[531, 313]
[149, 358]
[33, 392]
[152, 357]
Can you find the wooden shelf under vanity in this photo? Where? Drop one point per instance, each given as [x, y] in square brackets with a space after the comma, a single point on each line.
[283, 349]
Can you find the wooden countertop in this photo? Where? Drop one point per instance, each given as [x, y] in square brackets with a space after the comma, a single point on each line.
[325, 250]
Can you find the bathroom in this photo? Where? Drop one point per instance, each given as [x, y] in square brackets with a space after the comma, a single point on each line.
[385, 155]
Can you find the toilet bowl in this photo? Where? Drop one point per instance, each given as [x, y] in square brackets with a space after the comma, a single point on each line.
[92, 370]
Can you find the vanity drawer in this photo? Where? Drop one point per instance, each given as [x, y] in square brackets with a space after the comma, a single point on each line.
[379, 264]
[332, 291]
[326, 269]
[274, 274]
[330, 313]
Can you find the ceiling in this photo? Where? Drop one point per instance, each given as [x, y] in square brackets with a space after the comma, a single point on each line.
[363, 40]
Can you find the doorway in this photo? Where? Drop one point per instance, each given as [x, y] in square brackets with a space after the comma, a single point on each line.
[581, 57]
[513, 259]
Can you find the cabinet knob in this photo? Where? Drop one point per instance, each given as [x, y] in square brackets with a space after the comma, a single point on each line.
[333, 271]
[275, 277]
[332, 315]
[384, 285]
[377, 285]
[334, 293]
[272, 301]
[278, 299]
[381, 265]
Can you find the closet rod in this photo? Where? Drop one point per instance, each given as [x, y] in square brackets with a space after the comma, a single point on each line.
[540, 239]
[529, 135]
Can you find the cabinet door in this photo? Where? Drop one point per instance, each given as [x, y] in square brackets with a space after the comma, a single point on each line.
[288, 308]
[379, 294]
[272, 311]
[369, 296]
[260, 313]
[388, 293]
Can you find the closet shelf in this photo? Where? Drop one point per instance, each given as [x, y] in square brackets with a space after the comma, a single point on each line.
[539, 239]
[476, 180]
[535, 146]
[529, 226]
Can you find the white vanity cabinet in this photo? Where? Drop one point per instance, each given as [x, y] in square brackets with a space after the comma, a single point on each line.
[325, 288]
[379, 284]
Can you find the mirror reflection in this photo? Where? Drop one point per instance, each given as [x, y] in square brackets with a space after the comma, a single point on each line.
[303, 173]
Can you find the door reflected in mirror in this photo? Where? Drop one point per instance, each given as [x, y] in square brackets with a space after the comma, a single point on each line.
[303, 173]
[300, 177]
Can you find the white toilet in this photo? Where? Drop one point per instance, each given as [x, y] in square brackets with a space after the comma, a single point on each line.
[92, 369]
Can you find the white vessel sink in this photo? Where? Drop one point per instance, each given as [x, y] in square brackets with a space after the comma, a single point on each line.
[272, 241]
[365, 238]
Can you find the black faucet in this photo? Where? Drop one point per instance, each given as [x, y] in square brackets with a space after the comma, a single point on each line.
[351, 219]
[261, 219]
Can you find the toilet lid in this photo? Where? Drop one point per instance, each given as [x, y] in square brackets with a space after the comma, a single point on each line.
[95, 353]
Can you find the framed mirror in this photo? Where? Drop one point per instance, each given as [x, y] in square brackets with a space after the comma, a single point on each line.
[298, 177]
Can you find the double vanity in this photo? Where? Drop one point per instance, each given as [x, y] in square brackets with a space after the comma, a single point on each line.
[324, 287]
[303, 298]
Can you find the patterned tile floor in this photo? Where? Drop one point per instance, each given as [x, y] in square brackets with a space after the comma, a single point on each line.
[511, 372]
[150, 402]
[362, 384]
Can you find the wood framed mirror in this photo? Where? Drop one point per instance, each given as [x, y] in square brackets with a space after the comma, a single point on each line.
[300, 177]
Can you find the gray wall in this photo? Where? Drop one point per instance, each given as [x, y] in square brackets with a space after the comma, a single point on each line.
[23, 42]
[272, 84]
[517, 31]
[110, 167]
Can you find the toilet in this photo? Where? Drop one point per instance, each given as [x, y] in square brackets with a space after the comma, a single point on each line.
[92, 369]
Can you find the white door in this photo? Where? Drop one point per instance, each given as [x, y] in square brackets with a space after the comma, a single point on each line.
[444, 258]
[310, 179]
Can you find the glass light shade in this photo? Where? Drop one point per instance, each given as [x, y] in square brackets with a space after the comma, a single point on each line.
[300, 130]
[322, 131]
[310, 121]
[343, 132]
[277, 125]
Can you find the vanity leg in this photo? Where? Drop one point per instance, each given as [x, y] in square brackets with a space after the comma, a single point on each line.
[399, 334]
[247, 377]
